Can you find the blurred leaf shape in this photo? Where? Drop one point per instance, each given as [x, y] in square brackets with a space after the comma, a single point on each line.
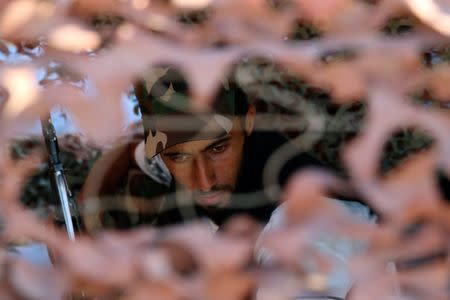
[71, 37]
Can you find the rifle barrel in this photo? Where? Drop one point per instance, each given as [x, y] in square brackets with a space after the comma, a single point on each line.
[57, 176]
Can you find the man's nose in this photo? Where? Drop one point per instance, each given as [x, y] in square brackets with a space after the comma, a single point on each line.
[204, 175]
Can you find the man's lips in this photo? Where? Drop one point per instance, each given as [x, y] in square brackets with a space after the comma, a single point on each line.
[212, 198]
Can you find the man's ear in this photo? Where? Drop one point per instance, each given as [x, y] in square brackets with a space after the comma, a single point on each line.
[250, 119]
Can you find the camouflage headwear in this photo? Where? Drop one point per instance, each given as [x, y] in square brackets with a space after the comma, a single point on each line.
[167, 116]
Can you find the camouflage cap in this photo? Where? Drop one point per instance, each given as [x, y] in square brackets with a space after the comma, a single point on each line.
[167, 116]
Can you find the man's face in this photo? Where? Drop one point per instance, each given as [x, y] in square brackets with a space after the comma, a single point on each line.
[208, 168]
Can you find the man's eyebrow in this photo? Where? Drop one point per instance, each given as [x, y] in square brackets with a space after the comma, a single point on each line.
[218, 142]
[174, 153]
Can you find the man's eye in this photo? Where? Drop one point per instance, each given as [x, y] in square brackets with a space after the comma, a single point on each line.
[218, 148]
[180, 158]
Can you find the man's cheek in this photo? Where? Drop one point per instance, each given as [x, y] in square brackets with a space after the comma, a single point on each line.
[182, 176]
[227, 172]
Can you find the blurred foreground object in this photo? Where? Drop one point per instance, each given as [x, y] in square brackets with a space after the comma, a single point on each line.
[348, 57]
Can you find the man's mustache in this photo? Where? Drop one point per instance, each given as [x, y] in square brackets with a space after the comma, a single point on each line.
[214, 189]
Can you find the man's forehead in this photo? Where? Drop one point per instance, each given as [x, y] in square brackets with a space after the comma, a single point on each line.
[194, 146]
[201, 144]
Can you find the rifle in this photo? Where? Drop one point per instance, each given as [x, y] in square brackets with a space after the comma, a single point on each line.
[60, 189]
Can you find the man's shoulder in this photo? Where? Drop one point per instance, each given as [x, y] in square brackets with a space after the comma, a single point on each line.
[122, 170]
[126, 194]
[332, 245]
